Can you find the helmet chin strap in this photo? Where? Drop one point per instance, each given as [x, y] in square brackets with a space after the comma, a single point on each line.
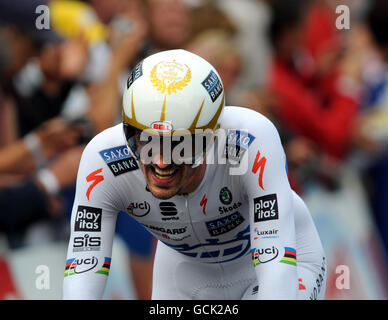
[198, 160]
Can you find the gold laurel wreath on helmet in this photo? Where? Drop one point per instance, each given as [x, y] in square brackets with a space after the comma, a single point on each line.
[174, 86]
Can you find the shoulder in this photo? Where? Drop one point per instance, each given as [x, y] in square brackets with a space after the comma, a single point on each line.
[112, 137]
[109, 149]
[234, 116]
[242, 118]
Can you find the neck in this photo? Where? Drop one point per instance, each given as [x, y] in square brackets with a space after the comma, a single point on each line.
[195, 180]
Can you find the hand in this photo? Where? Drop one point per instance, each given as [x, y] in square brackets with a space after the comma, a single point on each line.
[56, 136]
[126, 36]
[74, 55]
[65, 167]
[260, 100]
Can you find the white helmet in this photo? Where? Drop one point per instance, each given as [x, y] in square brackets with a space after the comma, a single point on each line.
[171, 91]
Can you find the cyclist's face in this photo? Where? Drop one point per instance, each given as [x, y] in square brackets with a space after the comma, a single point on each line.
[166, 179]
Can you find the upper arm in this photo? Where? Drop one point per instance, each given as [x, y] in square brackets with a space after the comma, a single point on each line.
[92, 229]
[270, 211]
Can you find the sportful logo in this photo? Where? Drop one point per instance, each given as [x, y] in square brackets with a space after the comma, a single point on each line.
[289, 256]
[168, 210]
[119, 160]
[255, 290]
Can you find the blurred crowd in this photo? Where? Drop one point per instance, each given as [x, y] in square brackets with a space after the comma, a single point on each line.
[324, 87]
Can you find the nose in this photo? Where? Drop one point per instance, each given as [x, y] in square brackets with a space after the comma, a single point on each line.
[160, 161]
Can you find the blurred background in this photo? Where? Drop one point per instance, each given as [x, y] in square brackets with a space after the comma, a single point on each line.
[317, 68]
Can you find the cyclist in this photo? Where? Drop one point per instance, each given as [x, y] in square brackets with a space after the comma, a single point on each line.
[208, 181]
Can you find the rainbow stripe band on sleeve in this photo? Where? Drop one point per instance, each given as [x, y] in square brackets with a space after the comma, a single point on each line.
[69, 268]
[255, 257]
[289, 256]
[106, 267]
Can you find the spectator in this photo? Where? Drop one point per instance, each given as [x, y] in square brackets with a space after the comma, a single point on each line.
[125, 37]
[217, 47]
[36, 148]
[37, 197]
[319, 104]
[376, 115]
[169, 24]
[250, 19]
[208, 16]
[45, 89]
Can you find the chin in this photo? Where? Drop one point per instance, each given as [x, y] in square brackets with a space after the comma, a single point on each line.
[162, 193]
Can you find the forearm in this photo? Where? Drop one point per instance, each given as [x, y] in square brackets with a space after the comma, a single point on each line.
[277, 282]
[16, 158]
[92, 229]
[105, 98]
[272, 224]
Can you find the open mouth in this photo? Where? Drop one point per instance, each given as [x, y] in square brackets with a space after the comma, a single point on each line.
[163, 176]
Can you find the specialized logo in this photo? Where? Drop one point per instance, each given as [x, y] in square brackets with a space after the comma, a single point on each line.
[105, 267]
[139, 209]
[136, 73]
[76, 266]
[170, 76]
[217, 251]
[259, 165]
[264, 255]
[168, 210]
[95, 178]
[86, 243]
[213, 85]
[225, 224]
[301, 285]
[119, 160]
[225, 196]
[88, 219]
[289, 256]
[265, 208]
[203, 204]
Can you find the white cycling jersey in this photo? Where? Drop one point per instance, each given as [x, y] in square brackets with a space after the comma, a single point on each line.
[237, 236]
